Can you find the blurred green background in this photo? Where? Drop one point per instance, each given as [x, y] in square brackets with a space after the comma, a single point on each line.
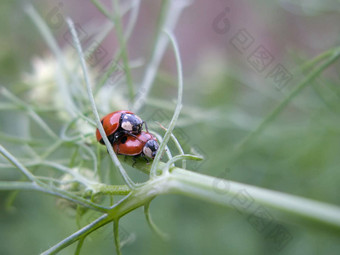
[225, 98]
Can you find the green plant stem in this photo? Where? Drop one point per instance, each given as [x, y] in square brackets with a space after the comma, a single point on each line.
[116, 236]
[52, 43]
[311, 63]
[11, 185]
[179, 148]
[172, 14]
[80, 234]
[180, 157]
[173, 121]
[30, 112]
[122, 44]
[209, 189]
[16, 163]
[79, 246]
[152, 225]
[129, 28]
[284, 103]
[21, 140]
[102, 9]
[231, 193]
[111, 189]
[113, 156]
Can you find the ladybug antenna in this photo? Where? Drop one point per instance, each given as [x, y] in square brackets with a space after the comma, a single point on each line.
[133, 135]
[161, 125]
[146, 126]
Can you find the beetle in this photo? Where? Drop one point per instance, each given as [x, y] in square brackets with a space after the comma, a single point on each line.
[118, 123]
[143, 144]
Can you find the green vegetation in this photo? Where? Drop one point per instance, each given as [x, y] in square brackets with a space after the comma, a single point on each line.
[222, 181]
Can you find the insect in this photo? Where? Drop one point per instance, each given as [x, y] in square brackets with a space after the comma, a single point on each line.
[143, 144]
[119, 123]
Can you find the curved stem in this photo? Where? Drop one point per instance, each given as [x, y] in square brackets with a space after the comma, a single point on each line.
[80, 234]
[242, 197]
[113, 156]
[6, 185]
[116, 236]
[122, 44]
[152, 225]
[173, 121]
[246, 198]
[172, 15]
[16, 163]
[284, 103]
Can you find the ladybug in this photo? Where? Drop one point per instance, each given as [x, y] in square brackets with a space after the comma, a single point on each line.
[118, 123]
[143, 144]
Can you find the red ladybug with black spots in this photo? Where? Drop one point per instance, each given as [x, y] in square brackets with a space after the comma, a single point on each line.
[143, 144]
[119, 123]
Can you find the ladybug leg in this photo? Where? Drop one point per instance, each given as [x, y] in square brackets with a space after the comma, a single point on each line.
[111, 139]
[133, 135]
[146, 159]
[116, 136]
[134, 158]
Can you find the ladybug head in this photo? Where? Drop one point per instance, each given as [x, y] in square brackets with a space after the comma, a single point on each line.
[132, 123]
[150, 148]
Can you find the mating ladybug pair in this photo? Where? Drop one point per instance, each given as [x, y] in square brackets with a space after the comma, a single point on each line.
[124, 131]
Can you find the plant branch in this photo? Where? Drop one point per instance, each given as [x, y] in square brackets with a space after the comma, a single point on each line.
[79, 235]
[173, 121]
[161, 43]
[12, 185]
[122, 44]
[113, 156]
[17, 164]
[230, 194]
[335, 55]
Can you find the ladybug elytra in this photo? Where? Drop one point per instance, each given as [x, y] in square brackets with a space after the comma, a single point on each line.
[143, 144]
[119, 123]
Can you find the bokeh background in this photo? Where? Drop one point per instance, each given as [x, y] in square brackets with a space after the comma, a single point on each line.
[231, 51]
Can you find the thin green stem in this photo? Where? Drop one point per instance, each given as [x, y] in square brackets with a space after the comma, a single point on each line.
[102, 9]
[173, 121]
[180, 157]
[101, 221]
[213, 190]
[77, 176]
[79, 246]
[21, 140]
[113, 156]
[51, 149]
[52, 43]
[284, 103]
[180, 149]
[30, 111]
[161, 20]
[172, 14]
[116, 236]
[316, 60]
[152, 225]
[110, 189]
[17, 164]
[178, 146]
[5, 185]
[234, 194]
[114, 65]
[12, 185]
[160, 140]
[122, 44]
